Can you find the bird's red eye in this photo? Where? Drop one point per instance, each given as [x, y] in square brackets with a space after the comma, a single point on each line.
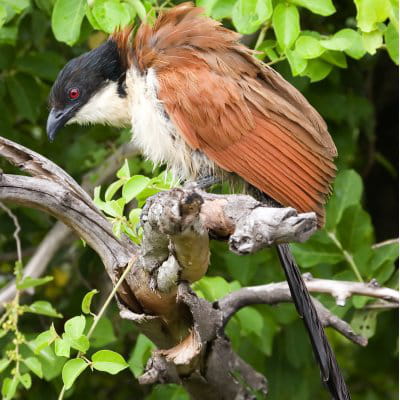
[73, 93]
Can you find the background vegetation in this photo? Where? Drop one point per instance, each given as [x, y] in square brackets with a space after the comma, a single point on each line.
[342, 56]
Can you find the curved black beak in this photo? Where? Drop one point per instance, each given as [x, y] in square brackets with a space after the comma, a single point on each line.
[56, 120]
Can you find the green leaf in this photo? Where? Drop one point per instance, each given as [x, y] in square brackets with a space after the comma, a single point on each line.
[392, 42]
[385, 272]
[321, 7]
[348, 188]
[286, 23]
[99, 203]
[335, 58]
[355, 229]
[8, 35]
[111, 14]
[213, 287]
[364, 323]
[45, 5]
[207, 5]
[66, 20]
[312, 253]
[372, 41]
[26, 380]
[43, 308]
[356, 48]
[140, 9]
[9, 388]
[370, 13]
[117, 228]
[87, 301]
[267, 47]
[112, 189]
[50, 363]
[134, 187]
[80, 343]
[71, 370]
[168, 391]
[115, 208]
[251, 321]
[34, 365]
[249, 15]
[75, 326]
[140, 354]
[43, 340]
[124, 172]
[45, 64]
[317, 70]
[134, 216]
[4, 363]
[23, 91]
[92, 20]
[103, 333]
[394, 13]
[297, 63]
[384, 253]
[308, 47]
[108, 361]
[222, 9]
[62, 348]
[340, 41]
[28, 282]
[3, 15]
[17, 5]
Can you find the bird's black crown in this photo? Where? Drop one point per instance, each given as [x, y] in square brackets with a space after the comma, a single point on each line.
[88, 73]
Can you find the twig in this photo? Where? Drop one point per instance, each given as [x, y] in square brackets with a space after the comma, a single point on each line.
[385, 243]
[276, 293]
[102, 311]
[110, 297]
[61, 234]
[16, 232]
[262, 33]
[349, 258]
[279, 59]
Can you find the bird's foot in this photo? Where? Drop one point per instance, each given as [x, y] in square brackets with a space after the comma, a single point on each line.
[202, 183]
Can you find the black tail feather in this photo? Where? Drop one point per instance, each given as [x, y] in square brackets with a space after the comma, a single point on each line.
[331, 374]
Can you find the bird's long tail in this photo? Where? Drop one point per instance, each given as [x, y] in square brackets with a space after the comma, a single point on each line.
[330, 372]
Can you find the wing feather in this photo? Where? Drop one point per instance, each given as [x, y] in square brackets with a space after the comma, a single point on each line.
[240, 113]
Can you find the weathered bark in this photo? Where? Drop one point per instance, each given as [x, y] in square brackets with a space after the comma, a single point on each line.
[188, 331]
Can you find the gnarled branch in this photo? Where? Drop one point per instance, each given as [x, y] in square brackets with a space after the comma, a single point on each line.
[60, 234]
[188, 331]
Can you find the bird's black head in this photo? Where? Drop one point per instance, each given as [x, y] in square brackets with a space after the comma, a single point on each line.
[88, 89]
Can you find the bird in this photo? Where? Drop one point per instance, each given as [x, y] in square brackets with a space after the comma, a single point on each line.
[201, 103]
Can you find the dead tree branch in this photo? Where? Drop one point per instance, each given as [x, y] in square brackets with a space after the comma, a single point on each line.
[188, 331]
[60, 234]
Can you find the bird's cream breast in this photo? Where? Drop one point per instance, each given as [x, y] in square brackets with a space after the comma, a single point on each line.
[155, 133]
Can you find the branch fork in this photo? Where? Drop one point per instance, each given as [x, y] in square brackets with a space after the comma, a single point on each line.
[156, 296]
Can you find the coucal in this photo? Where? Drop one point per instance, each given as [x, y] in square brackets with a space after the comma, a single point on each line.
[199, 102]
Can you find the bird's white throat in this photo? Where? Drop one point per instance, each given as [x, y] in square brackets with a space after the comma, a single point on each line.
[105, 107]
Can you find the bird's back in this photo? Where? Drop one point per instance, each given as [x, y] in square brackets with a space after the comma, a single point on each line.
[235, 110]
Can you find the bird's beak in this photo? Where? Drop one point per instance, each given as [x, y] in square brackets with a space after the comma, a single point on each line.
[56, 120]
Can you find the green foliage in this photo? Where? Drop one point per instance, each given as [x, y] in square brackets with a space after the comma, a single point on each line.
[87, 301]
[342, 46]
[136, 187]
[108, 361]
[140, 354]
